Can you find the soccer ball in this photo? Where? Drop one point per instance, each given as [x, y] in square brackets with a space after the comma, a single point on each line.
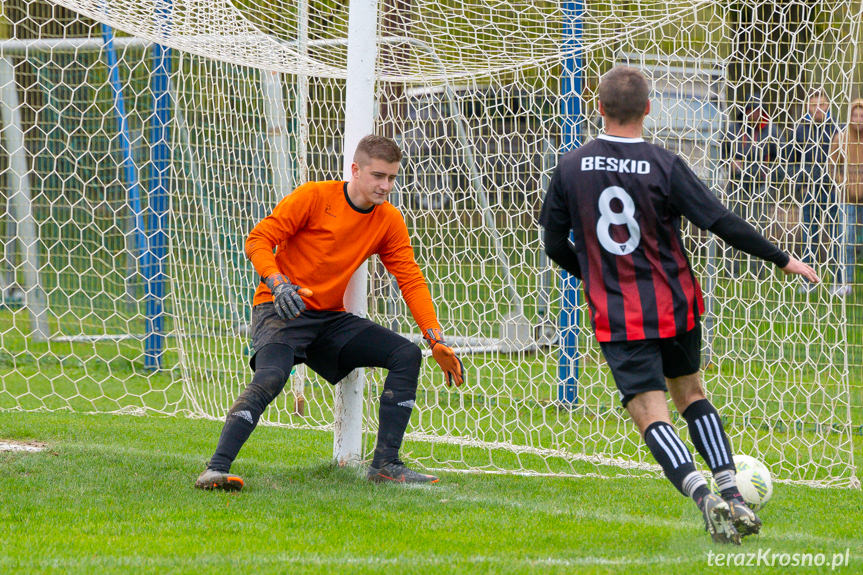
[753, 480]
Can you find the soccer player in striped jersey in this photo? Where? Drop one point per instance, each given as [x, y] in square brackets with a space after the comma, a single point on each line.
[321, 233]
[622, 200]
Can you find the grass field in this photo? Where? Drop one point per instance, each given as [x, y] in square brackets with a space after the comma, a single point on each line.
[798, 412]
[113, 494]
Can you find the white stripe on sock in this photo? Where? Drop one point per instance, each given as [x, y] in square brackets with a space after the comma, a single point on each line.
[726, 459]
[713, 440]
[693, 481]
[665, 448]
[725, 480]
[710, 456]
[675, 443]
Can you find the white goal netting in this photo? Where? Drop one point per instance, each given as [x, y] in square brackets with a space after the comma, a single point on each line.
[142, 140]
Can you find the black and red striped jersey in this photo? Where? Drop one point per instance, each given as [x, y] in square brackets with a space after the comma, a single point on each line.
[623, 199]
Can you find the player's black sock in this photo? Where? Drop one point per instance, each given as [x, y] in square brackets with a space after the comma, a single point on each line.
[726, 482]
[273, 363]
[732, 495]
[381, 347]
[238, 427]
[699, 493]
[674, 457]
[396, 403]
[708, 436]
[391, 430]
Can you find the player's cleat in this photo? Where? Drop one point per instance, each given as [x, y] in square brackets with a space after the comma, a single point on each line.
[717, 519]
[398, 472]
[744, 519]
[212, 479]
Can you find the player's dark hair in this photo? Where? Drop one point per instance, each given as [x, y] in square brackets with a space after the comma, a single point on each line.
[624, 94]
[377, 147]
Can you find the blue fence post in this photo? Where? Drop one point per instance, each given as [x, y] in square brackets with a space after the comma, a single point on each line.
[160, 166]
[571, 112]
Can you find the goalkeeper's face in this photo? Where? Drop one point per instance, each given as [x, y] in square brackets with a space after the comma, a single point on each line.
[373, 181]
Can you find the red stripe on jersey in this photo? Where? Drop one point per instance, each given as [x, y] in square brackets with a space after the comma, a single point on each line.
[699, 299]
[661, 287]
[596, 285]
[632, 310]
[690, 287]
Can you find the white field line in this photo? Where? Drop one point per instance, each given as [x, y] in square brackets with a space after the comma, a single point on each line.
[32, 446]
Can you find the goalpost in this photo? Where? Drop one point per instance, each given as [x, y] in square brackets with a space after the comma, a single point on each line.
[482, 97]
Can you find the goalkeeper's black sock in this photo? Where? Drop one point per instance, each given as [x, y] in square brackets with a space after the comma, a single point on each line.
[675, 459]
[708, 436]
[380, 347]
[397, 402]
[391, 430]
[238, 427]
[268, 381]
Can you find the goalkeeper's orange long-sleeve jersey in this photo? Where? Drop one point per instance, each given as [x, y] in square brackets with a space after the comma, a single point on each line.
[320, 240]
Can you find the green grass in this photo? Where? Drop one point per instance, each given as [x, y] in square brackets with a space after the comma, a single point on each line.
[795, 412]
[113, 494]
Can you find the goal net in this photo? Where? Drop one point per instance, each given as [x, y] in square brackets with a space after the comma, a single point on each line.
[142, 140]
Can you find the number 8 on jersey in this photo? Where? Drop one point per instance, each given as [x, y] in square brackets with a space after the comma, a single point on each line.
[608, 218]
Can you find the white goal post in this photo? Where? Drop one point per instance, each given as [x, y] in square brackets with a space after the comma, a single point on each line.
[482, 97]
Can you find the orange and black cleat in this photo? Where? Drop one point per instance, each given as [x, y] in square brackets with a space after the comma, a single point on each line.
[212, 479]
[398, 472]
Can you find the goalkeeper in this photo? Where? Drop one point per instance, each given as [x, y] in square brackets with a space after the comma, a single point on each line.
[321, 233]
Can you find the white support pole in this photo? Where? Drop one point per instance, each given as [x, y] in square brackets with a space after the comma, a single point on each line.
[359, 121]
[20, 202]
[277, 129]
[301, 172]
[301, 103]
[284, 174]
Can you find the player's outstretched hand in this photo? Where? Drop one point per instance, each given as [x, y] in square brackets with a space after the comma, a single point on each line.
[795, 266]
[445, 357]
[286, 296]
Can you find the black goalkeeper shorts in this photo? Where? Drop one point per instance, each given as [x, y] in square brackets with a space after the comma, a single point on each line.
[643, 365]
[317, 337]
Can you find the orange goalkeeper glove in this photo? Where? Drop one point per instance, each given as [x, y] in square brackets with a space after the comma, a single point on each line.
[445, 357]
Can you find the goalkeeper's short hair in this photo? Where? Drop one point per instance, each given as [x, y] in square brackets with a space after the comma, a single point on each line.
[378, 147]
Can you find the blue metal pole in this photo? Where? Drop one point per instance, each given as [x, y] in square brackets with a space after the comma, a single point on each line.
[160, 164]
[571, 89]
[130, 171]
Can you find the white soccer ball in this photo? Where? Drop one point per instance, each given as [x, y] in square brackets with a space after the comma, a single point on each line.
[754, 481]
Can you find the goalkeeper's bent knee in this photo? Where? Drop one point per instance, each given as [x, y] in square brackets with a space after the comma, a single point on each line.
[406, 359]
[266, 385]
[400, 387]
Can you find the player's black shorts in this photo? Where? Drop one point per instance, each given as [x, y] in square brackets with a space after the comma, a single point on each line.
[639, 366]
[317, 337]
